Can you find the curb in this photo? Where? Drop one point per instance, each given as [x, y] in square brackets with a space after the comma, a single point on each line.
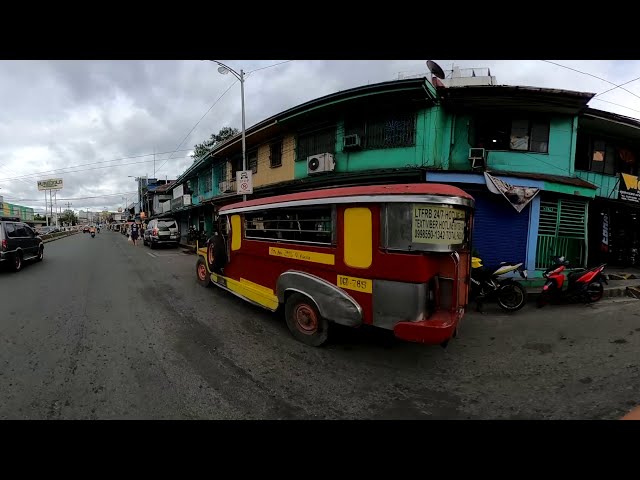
[47, 240]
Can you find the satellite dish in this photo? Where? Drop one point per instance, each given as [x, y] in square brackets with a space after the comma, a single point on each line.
[435, 69]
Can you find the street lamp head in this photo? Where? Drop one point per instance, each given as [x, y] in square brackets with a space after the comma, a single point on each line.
[223, 70]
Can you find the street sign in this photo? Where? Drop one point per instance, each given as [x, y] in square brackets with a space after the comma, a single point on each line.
[244, 182]
[50, 184]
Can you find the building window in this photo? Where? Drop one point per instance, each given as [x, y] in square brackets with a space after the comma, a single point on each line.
[207, 182]
[220, 171]
[236, 165]
[193, 185]
[599, 155]
[388, 131]
[275, 154]
[314, 143]
[524, 135]
[302, 225]
[252, 161]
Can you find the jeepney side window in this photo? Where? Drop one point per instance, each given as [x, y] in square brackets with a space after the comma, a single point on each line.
[303, 225]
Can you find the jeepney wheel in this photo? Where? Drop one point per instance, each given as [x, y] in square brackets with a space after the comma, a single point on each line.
[304, 320]
[201, 273]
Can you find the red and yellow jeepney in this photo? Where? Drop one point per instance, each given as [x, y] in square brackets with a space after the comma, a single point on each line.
[392, 256]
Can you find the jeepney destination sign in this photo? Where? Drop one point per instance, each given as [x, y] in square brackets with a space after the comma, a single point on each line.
[437, 225]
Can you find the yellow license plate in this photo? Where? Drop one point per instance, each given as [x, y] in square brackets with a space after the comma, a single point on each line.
[353, 283]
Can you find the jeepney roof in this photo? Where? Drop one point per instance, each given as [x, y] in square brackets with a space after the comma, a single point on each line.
[343, 193]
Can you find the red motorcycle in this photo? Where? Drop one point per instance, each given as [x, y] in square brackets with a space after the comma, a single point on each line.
[582, 285]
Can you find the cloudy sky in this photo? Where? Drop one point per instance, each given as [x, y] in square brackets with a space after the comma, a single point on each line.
[95, 123]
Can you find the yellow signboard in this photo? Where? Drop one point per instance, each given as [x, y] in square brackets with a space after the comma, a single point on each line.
[326, 258]
[353, 283]
[438, 225]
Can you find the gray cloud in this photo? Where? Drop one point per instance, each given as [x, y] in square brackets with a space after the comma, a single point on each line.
[58, 114]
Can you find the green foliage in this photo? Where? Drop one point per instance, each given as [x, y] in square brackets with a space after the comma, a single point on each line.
[201, 149]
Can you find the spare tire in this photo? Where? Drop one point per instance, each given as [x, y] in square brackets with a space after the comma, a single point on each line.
[216, 253]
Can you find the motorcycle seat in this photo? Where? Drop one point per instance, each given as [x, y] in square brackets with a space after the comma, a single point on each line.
[573, 276]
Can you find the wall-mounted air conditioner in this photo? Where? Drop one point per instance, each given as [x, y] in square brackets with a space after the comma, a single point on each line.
[320, 163]
[351, 142]
[478, 158]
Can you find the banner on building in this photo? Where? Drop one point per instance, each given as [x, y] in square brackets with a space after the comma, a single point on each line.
[628, 189]
[518, 197]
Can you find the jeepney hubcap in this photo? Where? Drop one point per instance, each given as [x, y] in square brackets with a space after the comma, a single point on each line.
[202, 272]
[306, 319]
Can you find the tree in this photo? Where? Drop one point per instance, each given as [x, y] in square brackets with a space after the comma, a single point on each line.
[201, 149]
[37, 216]
[68, 216]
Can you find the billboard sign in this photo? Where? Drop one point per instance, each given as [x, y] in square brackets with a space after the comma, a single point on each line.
[50, 184]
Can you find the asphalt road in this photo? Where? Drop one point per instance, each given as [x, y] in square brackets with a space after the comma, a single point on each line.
[105, 330]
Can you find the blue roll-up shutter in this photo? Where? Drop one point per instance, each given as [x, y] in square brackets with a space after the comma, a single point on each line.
[499, 231]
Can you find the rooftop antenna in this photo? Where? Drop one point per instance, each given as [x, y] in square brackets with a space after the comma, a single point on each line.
[436, 72]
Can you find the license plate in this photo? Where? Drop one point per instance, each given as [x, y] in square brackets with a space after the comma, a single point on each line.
[353, 283]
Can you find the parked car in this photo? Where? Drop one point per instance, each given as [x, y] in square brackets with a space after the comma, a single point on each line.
[18, 243]
[163, 231]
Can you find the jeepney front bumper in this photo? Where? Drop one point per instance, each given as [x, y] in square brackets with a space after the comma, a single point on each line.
[439, 328]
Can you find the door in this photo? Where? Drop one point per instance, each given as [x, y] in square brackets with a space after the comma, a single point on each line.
[562, 231]
[499, 232]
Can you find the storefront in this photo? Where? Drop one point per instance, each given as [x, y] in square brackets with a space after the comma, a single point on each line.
[614, 226]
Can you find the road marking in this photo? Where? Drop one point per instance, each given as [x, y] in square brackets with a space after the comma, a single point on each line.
[151, 254]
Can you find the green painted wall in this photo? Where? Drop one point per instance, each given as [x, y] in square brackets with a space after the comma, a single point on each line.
[430, 136]
[607, 184]
[559, 160]
[569, 189]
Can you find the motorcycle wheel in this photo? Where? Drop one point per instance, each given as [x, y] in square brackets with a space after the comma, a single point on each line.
[595, 291]
[511, 297]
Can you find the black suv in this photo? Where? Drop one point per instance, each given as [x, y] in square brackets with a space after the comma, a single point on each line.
[18, 242]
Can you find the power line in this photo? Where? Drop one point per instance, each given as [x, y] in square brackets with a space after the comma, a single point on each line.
[269, 66]
[594, 76]
[214, 104]
[60, 170]
[616, 104]
[72, 198]
[613, 88]
[197, 123]
[84, 170]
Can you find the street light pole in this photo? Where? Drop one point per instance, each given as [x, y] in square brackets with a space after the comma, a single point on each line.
[224, 69]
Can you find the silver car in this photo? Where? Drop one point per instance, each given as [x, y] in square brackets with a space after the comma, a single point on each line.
[162, 231]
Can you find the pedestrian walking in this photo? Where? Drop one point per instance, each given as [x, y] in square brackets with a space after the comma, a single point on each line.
[135, 229]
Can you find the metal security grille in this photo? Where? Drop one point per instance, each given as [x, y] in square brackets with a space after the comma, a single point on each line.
[562, 231]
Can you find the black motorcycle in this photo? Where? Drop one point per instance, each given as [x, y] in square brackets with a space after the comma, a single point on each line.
[489, 283]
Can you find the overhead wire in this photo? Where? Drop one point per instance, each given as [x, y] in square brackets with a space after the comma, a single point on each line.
[217, 100]
[197, 123]
[592, 75]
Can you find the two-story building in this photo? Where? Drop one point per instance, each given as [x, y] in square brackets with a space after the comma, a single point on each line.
[386, 132]
[513, 149]
[517, 150]
[607, 155]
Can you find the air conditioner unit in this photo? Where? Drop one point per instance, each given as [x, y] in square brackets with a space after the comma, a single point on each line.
[351, 142]
[478, 158]
[320, 163]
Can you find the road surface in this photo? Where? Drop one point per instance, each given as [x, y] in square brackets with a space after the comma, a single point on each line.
[105, 330]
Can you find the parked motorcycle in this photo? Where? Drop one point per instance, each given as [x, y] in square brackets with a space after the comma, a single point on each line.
[490, 283]
[582, 285]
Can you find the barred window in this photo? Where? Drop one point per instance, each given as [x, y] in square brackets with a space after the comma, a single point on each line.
[313, 143]
[252, 161]
[275, 154]
[388, 131]
[207, 182]
[304, 225]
